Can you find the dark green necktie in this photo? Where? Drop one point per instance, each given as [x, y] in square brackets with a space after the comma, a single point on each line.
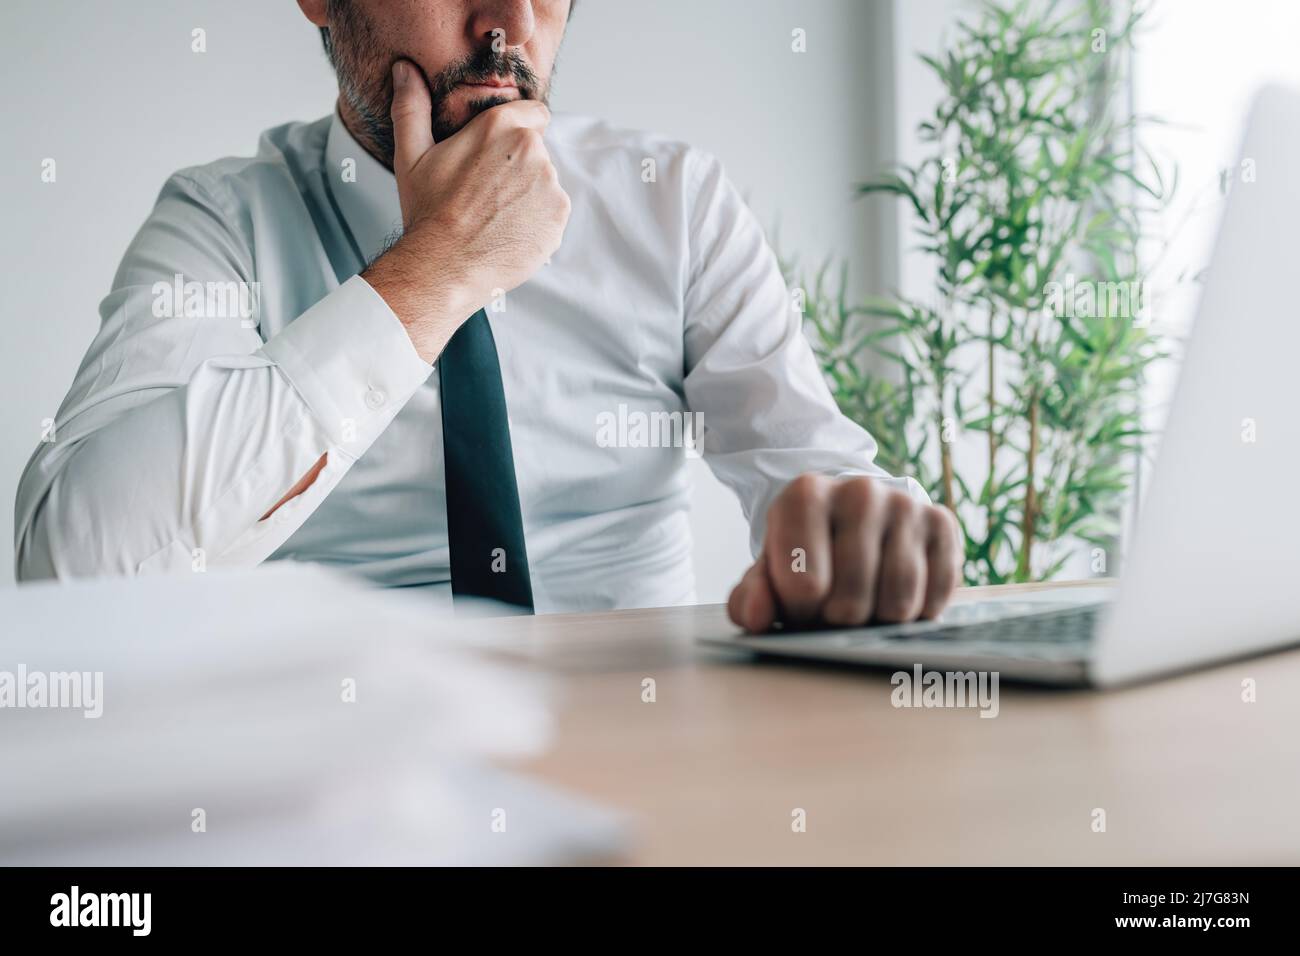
[485, 530]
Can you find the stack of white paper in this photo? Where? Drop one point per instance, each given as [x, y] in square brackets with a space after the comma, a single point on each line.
[282, 715]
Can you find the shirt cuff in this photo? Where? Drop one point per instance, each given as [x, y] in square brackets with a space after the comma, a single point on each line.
[350, 359]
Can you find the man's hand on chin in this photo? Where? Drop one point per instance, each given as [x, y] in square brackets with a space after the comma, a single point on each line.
[846, 551]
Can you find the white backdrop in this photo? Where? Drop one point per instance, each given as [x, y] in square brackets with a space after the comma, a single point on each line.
[112, 91]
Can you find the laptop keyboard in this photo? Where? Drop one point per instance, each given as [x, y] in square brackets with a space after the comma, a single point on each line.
[1075, 625]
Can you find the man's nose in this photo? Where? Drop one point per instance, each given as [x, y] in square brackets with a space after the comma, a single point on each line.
[503, 23]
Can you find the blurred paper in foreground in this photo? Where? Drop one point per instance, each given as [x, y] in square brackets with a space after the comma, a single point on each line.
[281, 715]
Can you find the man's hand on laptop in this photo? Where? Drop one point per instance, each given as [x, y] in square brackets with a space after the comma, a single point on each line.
[482, 211]
[848, 551]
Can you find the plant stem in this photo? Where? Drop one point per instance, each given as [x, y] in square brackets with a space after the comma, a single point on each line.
[945, 447]
[945, 459]
[1031, 497]
[940, 364]
[993, 440]
[993, 435]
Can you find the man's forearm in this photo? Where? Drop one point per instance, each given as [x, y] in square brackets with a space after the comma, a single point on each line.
[426, 291]
[223, 469]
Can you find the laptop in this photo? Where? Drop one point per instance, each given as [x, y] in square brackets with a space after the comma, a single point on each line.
[1213, 571]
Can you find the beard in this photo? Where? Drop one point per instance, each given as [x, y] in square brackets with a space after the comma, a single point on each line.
[364, 69]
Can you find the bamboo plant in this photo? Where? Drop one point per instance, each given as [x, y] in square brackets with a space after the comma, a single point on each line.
[1013, 398]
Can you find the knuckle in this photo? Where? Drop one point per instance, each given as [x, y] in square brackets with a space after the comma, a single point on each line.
[903, 507]
[941, 519]
[945, 533]
[803, 492]
[856, 498]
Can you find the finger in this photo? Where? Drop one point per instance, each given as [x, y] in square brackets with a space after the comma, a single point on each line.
[752, 604]
[798, 548]
[522, 114]
[857, 526]
[902, 581]
[944, 557]
[412, 114]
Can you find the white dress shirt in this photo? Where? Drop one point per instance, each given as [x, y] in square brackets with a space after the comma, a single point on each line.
[181, 430]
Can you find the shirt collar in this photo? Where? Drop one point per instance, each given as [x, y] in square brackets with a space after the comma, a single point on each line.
[369, 201]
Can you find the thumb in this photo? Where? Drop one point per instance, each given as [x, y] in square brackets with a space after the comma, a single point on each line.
[752, 604]
[412, 116]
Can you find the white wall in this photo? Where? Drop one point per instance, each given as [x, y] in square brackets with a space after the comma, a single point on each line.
[111, 90]
[1198, 65]
[920, 26]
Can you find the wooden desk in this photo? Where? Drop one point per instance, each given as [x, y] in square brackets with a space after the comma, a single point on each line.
[710, 772]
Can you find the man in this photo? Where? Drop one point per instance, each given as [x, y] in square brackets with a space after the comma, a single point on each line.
[556, 272]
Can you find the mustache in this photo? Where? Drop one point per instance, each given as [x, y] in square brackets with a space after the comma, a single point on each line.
[483, 63]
